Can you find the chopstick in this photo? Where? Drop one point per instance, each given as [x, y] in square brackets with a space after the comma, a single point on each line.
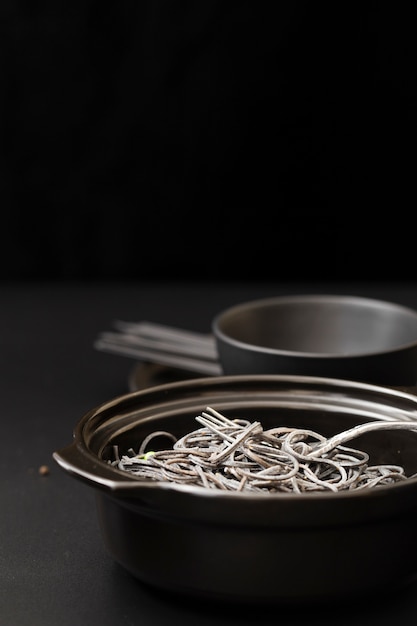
[158, 332]
[162, 344]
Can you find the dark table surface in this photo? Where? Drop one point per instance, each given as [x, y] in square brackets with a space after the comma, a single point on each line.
[54, 568]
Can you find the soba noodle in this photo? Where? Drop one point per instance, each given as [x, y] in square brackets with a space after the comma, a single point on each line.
[239, 455]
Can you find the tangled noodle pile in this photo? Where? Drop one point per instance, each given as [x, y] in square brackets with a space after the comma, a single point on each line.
[238, 455]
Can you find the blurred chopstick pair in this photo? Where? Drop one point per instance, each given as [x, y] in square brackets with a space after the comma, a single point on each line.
[165, 345]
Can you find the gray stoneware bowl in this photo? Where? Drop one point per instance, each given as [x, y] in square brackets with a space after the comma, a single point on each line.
[337, 336]
[252, 547]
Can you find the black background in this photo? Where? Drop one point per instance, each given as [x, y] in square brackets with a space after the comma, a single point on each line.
[210, 140]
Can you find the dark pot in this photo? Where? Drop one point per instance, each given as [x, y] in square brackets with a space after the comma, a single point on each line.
[273, 547]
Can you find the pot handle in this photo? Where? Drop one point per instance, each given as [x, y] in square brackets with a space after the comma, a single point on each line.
[79, 463]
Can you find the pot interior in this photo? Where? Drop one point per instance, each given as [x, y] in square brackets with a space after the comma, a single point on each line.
[384, 447]
[325, 406]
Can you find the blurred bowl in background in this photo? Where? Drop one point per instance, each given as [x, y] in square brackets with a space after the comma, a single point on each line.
[336, 336]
